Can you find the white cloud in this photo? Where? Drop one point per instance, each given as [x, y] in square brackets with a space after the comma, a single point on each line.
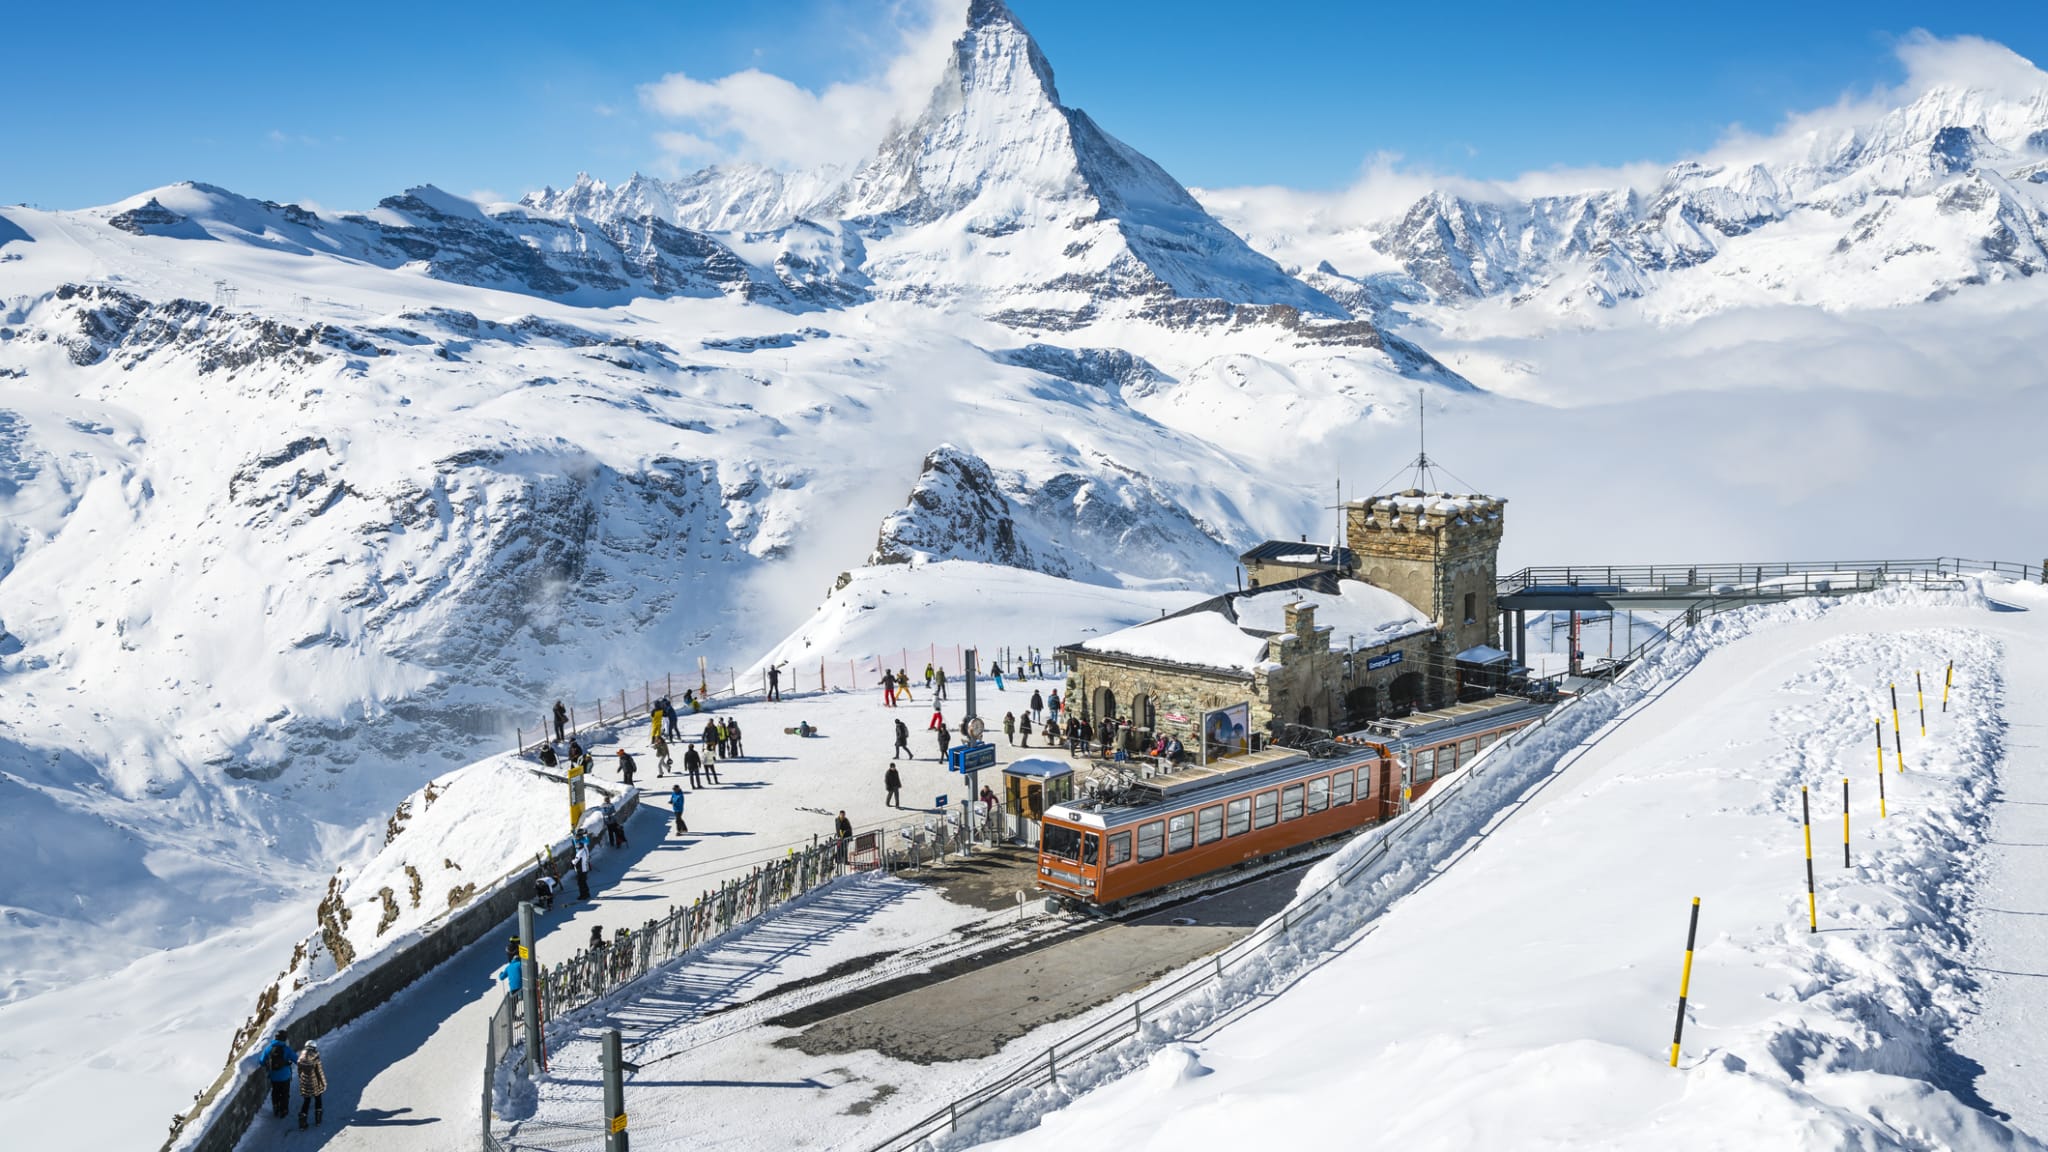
[755, 115]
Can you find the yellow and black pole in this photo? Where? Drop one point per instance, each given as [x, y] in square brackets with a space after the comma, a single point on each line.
[1922, 694]
[1880, 767]
[1898, 741]
[1947, 680]
[1692, 932]
[1806, 821]
[1845, 821]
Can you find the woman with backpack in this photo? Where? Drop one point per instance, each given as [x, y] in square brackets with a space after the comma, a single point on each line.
[312, 1082]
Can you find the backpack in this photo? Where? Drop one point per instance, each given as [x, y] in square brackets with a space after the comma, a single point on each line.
[276, 1059]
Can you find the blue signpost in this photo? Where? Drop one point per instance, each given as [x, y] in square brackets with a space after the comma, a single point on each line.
[1376, 663]
[971, 757]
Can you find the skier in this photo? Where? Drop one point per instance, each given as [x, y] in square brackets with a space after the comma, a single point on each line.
[1037, 706]
[902, 742]
[627, 767]
[945, 740]
[1010, 727]
[676, 799]
[843, 829]
[902, 684]
[691, 763]
[561, 721]
[312, 1082]
[278, 1060]
[774, 682]
[927, 676]
[939, 686]
[888, 690]
[582, 868]
[893, 785]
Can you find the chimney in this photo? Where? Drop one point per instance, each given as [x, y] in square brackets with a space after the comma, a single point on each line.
[1300, 618]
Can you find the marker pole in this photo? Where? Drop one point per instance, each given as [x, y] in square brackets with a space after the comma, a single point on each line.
[1692, 932]
[1947, 680]
[1845, 821]
[1922, 694]
[1898, 741]
[1880, 768]
[1806, 822]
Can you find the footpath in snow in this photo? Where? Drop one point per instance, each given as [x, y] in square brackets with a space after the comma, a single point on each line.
[1521, 993]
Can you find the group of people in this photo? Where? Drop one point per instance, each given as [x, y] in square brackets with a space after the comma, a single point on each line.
[1040, 712]
[280, 1063]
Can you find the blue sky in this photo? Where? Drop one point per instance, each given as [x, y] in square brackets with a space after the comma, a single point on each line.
[340, 106]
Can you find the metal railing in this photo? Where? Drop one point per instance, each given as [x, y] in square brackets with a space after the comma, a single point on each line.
[1043, 1069]
[1866, 574]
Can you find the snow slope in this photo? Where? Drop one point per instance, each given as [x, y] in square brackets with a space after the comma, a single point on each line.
[1523, 997]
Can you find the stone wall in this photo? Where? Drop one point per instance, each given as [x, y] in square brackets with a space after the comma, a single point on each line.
[1433, 559]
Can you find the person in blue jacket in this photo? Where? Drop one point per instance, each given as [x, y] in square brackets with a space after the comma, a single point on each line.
[676, 799]
[278, 1062]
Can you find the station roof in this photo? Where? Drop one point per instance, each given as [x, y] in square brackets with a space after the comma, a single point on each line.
[1299, 553]
[1229, 632]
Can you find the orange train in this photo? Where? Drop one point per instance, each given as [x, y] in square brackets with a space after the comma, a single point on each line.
[1185, 824]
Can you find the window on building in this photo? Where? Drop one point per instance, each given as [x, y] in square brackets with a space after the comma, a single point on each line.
[1265, 809]
[1151, 840]
[1340, 788]
[1240, 816]
[1290, 801]
[1209, 828]
[1180, 832]
[1119, 848]
[1319, 794]
[1471, 607]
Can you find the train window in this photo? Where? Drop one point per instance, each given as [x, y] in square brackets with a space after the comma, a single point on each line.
[1341, 788]
[1486, 740]
[1467, 749]
[1180, 831]
[1290, 802]
[1209, 827]
[1152, 840]
[1240, 821]
[1062, 842]
[1119, 848]
[1424, 767]
[1319, 794]
[1266, 809]
[1091, 847]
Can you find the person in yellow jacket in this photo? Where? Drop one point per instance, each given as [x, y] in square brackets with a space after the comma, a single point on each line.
[654, 718]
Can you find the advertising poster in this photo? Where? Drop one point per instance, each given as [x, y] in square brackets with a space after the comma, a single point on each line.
[1226, 732]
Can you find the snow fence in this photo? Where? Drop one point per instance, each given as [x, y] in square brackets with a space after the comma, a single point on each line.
[1345, 892]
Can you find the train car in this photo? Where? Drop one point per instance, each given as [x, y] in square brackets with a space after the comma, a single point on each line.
[1182, 825]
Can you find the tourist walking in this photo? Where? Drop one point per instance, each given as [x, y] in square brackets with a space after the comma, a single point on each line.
[627, 767]
[278, 1060]
[1010, 727]
[312, 1082]
[691, 764]
[892, 783]
[939, 686]
[1037, 706]
[902, 742]
[888, 690]
[902, 684]
[676, 800]
[938, 719]
[945, 740]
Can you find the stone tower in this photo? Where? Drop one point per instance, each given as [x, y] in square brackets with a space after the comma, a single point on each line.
[1436, 550]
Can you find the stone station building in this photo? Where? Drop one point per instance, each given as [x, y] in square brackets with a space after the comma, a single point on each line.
[1400, 618]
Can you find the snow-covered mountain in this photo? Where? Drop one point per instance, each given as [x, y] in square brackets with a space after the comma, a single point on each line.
[1907, 204]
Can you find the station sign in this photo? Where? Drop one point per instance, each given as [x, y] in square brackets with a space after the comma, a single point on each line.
[971, 757]
[1378, 662]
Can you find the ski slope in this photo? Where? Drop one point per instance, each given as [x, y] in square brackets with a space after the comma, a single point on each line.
[1524, 997]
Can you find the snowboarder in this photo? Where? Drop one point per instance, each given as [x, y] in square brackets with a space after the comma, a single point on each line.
[1010, 727]
[278, 1060]
[774, 682]
[676, 799]
[842, 828]
[902, 742]
[312, 1082]
[547, 756]
[945, 740]
[1037, 706]
[999, 677]
[627, 767]
[939, 686]
[582, 868]
[561, 721]
[691, 763]
[893, 785]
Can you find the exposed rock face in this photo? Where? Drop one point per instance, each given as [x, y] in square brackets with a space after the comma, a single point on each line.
[150, 217]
